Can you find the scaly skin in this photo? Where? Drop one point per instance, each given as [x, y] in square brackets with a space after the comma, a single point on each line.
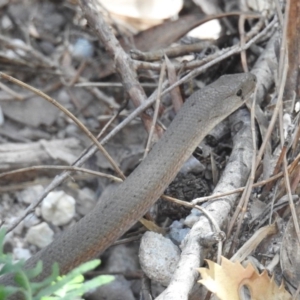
[117, 212]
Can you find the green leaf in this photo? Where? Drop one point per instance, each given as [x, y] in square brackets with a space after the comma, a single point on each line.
[73, 284]
[69, 277]
[22, 280]
[10, 267]
[34, 272]
[53, 287]
[6, 291]
[86, 286]
[37, 286]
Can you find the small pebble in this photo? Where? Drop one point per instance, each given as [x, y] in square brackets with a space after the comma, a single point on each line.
[21, 253]
[30, 194]
[177, 233]
[158, 257]
[58, 208]
[82, 48]
[40, 235]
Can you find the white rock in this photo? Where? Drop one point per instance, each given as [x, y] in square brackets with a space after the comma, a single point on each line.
[18, 52]
[297, 106]
[82, 48]
[21, 253]
[192, 165]
[177, 235]
[158, 257]
[58, 208]
[30, 194]
[40, 235]
[6, 23]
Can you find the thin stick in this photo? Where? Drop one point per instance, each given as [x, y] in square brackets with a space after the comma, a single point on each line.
[68, 168]
[157, 103]
[189, 205]
[112, 84]
[285, 169]
[239, 190]
[246, 195]
[69, 114]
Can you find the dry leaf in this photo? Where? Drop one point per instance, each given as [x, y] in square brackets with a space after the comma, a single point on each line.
[143, 14]
[227, 279]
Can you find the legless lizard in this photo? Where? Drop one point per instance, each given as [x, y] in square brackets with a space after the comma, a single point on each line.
[117, 212]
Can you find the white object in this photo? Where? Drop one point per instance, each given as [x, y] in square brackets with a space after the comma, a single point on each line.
[30, 194]
[40, 235]
[21, 253]
[82, 48]
[209, 30]
[149, 9]
[158, 257]
[58, 208]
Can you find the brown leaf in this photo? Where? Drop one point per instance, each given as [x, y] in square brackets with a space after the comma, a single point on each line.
[227, 279]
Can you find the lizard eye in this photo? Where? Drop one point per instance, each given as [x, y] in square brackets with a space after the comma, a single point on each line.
[239, 93]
